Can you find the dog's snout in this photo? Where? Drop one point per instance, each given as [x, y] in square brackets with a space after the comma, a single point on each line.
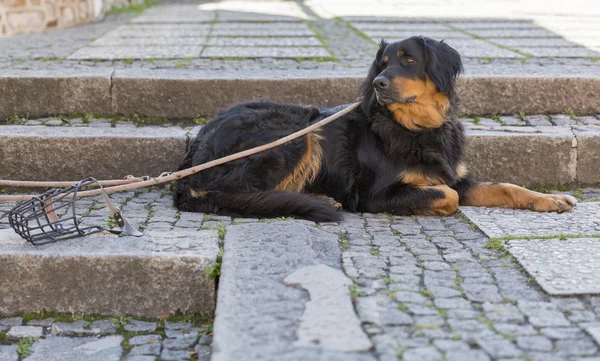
[381, 82]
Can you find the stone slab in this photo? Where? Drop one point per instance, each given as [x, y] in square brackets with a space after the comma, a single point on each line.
[188, 94]
[262, 32]
[274, 41]
[257, 316]
[588, 154]
[577, 52]
[138, 52]
[476, 48]
[103, 153]
[561, 267]
[595, 333]
[106, 274]
[270, 52]
[399, 26]
[75, 349]
[536, 42]
[392, 36]
[160, 32]
[515, 33]
[481, 93]
[329, 320]
[491, 24]
[39, 93]
[149, 41]
[500, 222]
[522, 155]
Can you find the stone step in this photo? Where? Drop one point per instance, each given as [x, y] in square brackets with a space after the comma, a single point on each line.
[190, 93]
[159, 273]
[525, 155]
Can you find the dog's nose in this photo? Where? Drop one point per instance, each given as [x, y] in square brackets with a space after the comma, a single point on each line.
[381, 82]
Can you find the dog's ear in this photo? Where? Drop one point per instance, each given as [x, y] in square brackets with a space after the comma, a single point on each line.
[367, 92]
[443, 65]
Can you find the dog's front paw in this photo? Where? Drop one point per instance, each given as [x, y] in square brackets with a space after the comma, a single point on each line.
[553, 203]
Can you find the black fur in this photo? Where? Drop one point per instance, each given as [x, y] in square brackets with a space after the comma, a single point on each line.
[364, 152]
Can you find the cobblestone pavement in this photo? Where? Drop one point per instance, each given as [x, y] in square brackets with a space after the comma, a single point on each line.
[424, 288]
[79, 337]
[470, 122]
[232, 35]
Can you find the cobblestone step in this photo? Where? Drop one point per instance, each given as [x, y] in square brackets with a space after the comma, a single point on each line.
[526, 155]
[162, 272]
[187, 94]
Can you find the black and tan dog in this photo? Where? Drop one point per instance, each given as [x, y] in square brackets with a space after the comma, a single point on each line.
[400, 153]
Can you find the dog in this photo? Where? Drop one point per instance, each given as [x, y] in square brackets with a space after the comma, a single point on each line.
[399, 153]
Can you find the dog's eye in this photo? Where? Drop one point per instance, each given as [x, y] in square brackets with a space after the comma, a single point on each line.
[410, 60]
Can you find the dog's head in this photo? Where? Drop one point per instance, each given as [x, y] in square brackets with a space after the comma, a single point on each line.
[414, 76]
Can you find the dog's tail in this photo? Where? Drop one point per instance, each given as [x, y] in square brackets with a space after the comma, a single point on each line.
[267, 204]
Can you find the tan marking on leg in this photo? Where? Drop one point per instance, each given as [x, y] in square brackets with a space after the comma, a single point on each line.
[513, 196]
[307, 168]
[461, 171]
[385, 59]
[419, 179]
[444, 206]
[195, 194]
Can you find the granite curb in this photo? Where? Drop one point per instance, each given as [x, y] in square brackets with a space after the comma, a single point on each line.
[518, 154]
[187, 94]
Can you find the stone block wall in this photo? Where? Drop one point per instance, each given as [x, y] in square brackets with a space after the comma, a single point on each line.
[31, 16]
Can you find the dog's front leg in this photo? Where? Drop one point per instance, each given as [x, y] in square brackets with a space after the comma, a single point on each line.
[512, 196]
[404, 199]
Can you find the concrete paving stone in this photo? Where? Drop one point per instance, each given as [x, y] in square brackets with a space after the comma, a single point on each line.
[500, 222]
[389, 26]
[47, 322]
[180, 343]
[141, 358]
[9, 353]
[102, 327]
[536, 42]
[514, 330]
[538, 120]
[498, 348]
[393, 36]
[174, 18]
[225, 16]
[451, 345]
[274, 32]
[515, 33]
[285, 52]
[137, 52]
[145, 339]
[482, 292]
[158, 32]
[493, 24]
[577, 52]
[140, 326]
[113, 41]
[274, 26]
[551, 263]
[471, 355]
[452, 303]
[562, 120]
[581, 347]
[535, 343]
[152, 349]
[75, 349]
[477, 48]
[422, 354]
[274, 41]
[11, 321]
[76, 328]
[511, 120]
[588, 120]
[17, 332]
[174, 355]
